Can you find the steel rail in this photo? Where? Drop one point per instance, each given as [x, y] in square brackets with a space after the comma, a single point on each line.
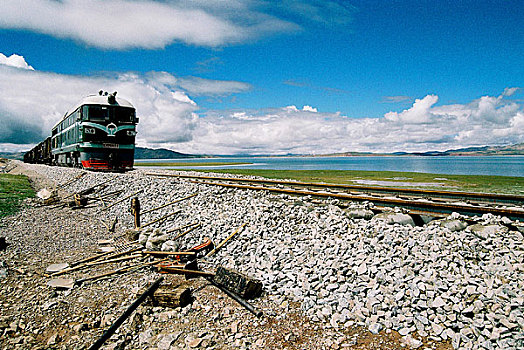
[472, 196]
[415, 205]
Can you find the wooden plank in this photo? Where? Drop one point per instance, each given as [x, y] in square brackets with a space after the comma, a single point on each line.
[172, 296]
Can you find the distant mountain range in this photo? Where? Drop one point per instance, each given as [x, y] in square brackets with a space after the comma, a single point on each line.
[12, 155]
[517, 149]
[162, 153]
[140, 153]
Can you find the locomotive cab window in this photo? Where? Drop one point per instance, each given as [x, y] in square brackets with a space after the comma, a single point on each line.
[96, 113]
[123, 115]
[114, 114]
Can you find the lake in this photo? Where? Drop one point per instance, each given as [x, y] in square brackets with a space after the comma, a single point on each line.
[489, 165]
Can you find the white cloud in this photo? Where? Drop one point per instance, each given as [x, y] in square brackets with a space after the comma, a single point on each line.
[14, 61]
[306, 108]
[396, 99]
[123, 24]
[309, 109]
[418, 114]
[32, 101]
[198, 86]
[323, 12]
[423, 127]
[510, 91]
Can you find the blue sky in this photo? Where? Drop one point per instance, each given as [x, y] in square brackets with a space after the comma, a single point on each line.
[252, 76]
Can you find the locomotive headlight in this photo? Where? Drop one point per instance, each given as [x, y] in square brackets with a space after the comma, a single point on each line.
[131, 133]
[89, 130]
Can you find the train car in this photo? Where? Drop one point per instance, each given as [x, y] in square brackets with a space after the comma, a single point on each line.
[40, 154]
[98, 133]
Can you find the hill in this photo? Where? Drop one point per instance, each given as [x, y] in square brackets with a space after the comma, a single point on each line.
[160, 153]
[140, 153]
[12, 155]
[517, 149]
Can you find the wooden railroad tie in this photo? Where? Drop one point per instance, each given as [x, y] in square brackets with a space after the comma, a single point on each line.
[172, 296]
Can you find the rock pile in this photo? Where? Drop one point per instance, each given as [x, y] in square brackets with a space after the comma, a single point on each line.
[458, 279]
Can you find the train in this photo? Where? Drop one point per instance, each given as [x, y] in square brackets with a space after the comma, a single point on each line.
[98, 133]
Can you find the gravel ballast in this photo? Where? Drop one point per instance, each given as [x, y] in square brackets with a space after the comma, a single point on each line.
[452, 283]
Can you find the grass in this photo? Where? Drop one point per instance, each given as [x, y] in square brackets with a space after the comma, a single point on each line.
[190, 164]
[467, 183]
[13, 190]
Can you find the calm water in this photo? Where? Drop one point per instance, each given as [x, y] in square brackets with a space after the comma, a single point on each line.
[493, 165]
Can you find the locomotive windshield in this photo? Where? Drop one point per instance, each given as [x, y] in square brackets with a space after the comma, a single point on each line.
[120, 115]
[96, 113]
[123, 115]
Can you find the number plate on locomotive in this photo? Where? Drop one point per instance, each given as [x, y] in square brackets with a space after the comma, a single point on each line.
[110, 145]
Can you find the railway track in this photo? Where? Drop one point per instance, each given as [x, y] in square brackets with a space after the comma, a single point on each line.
[416, 201]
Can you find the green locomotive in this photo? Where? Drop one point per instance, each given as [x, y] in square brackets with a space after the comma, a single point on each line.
[97, 134]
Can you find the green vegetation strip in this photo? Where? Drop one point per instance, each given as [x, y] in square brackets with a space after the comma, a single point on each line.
[187, 164]
[466, 183]
[13, 190]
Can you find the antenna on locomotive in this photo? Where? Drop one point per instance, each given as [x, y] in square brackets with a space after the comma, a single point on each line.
[112, 98]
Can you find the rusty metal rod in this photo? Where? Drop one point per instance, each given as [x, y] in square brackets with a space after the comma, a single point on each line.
[182, 227]
[170, 203]
[409, 204]
[186, 271]
[70, 181]
[105, 274]
[154, 252]
[112, 193]
[511, 198]
[225, 241]
[123, 199]
[187, 231]
[106, 195]
[161, 218]
[90, 258]
[123, 258]
[120, 270]
[106, 257]
[85, 191]
[101, 199]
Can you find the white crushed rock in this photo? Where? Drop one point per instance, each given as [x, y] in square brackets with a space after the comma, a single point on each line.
[445, 280]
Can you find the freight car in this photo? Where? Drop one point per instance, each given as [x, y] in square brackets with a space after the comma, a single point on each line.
[98, 133]
[40, 154]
